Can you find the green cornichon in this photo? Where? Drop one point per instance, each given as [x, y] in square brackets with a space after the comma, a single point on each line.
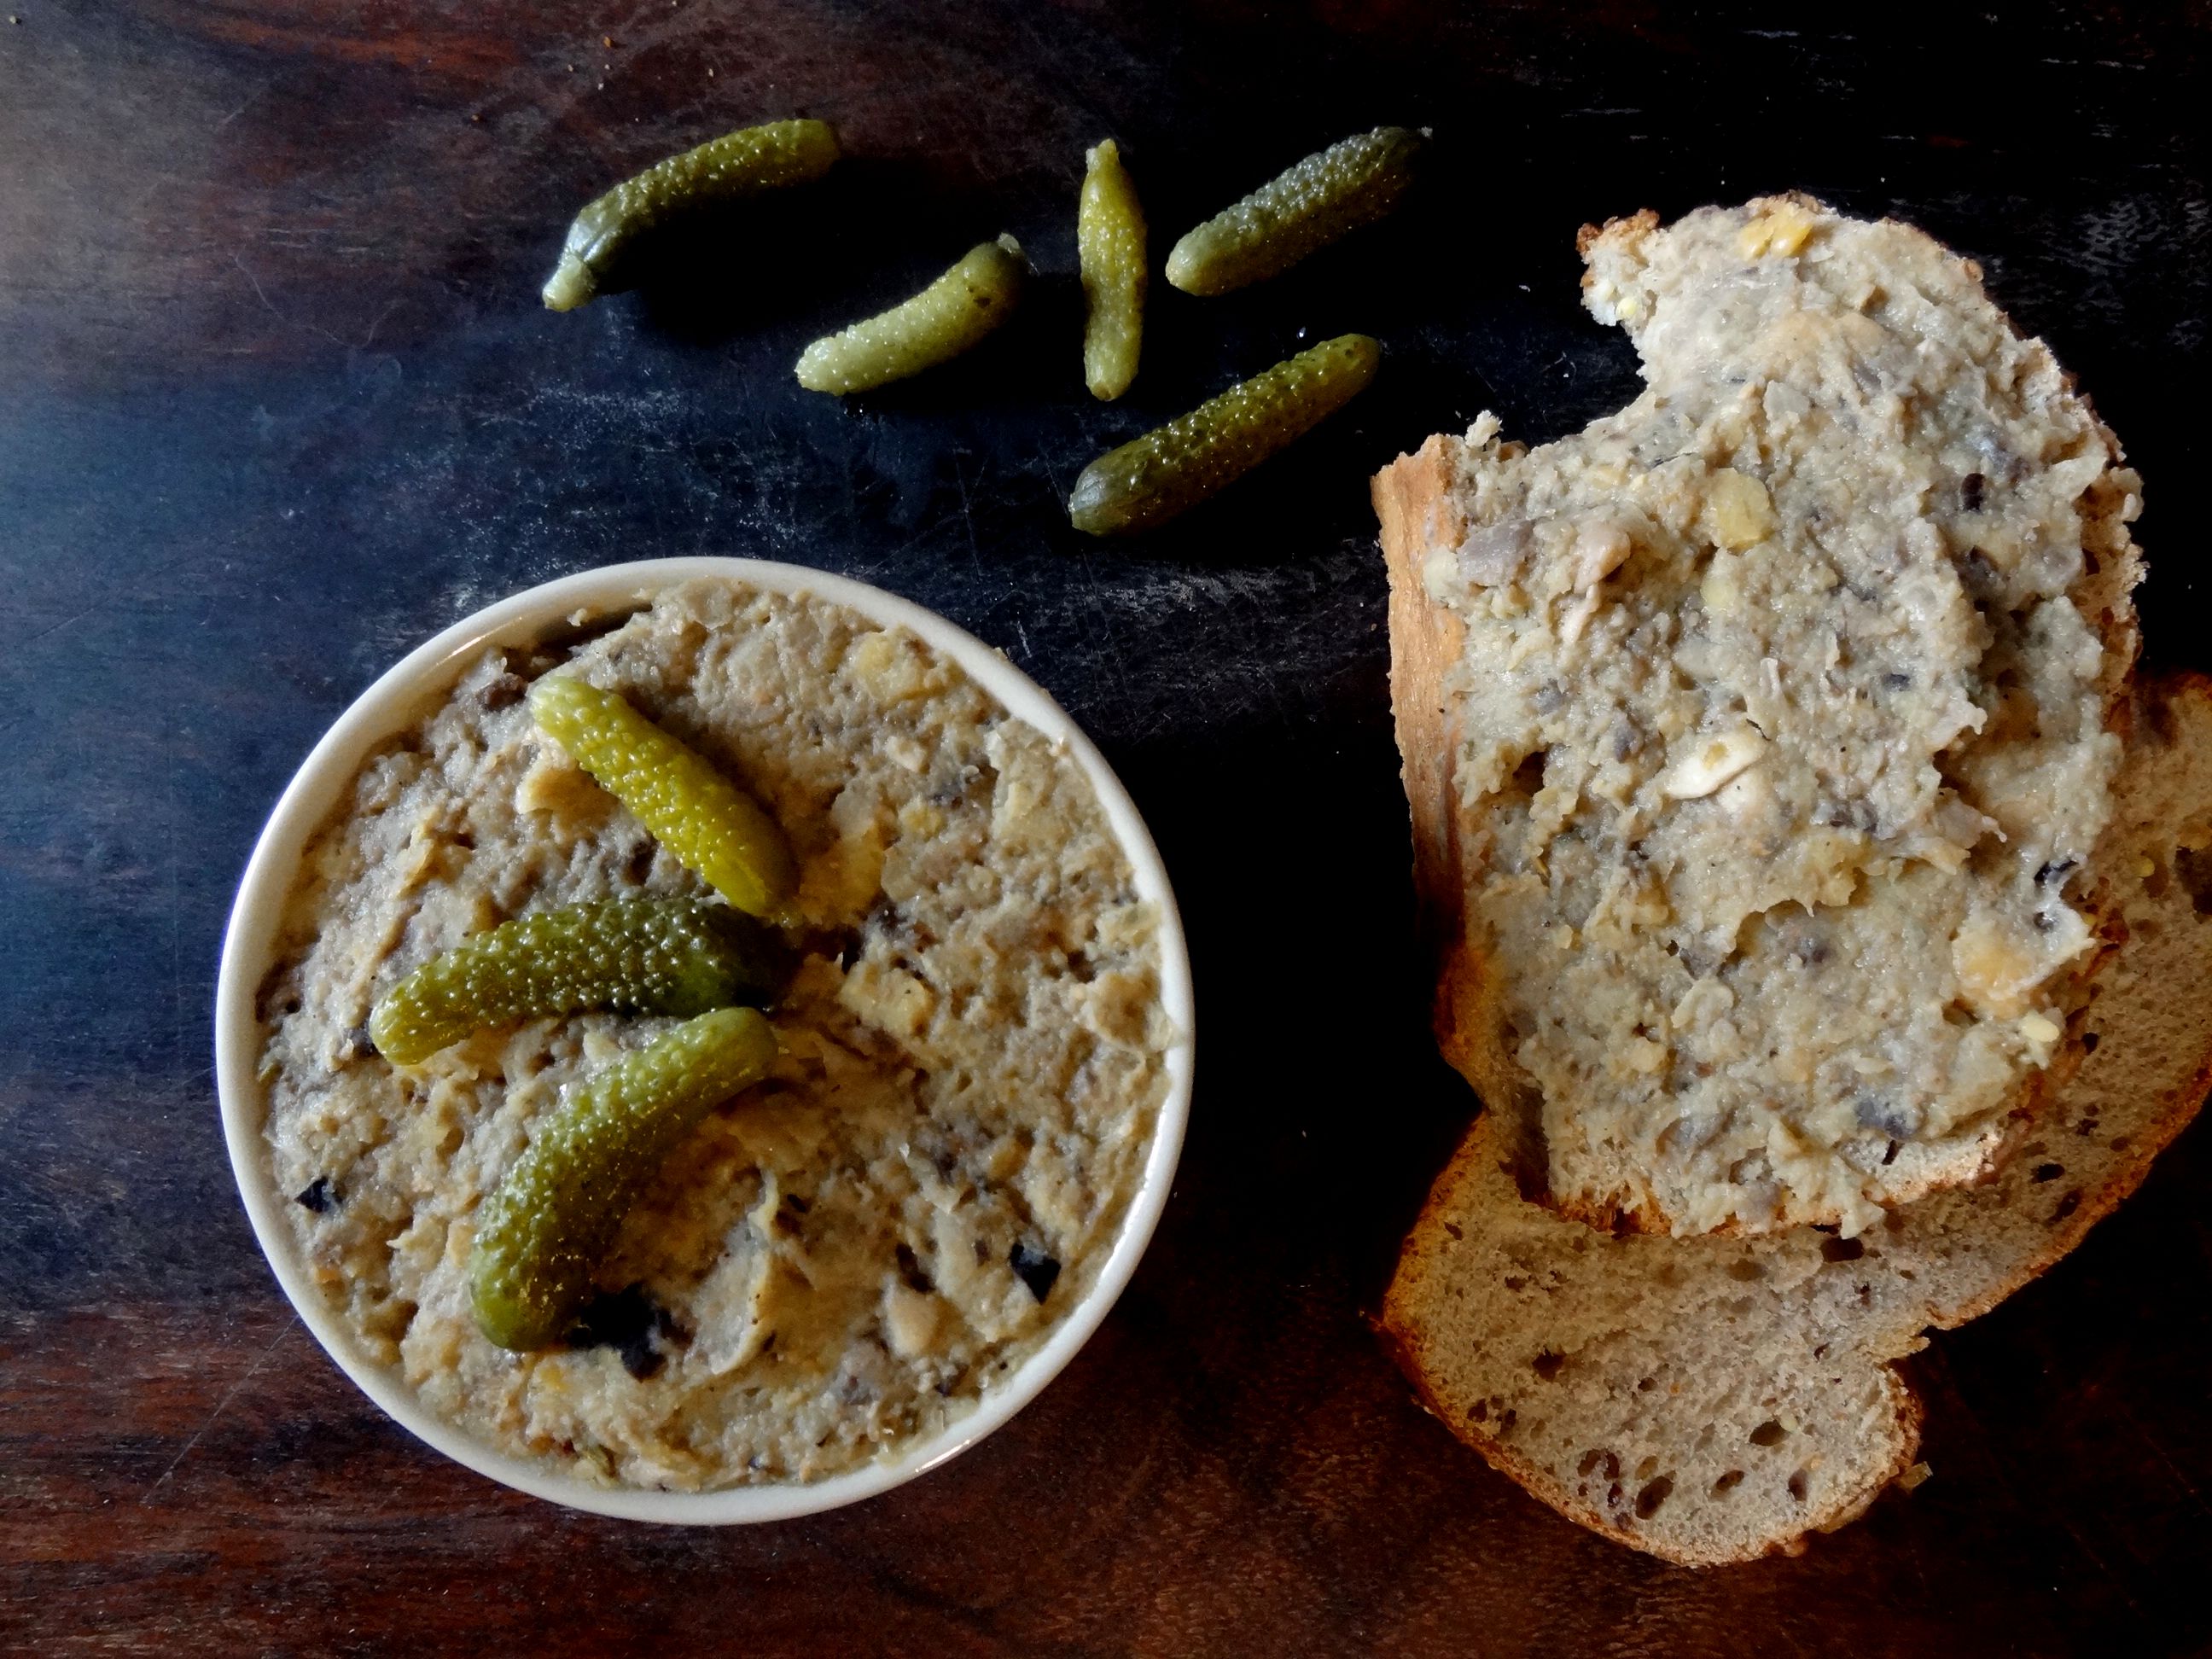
[738, 164]
[635, 954]
[1346, 186]
[1109, 246]
[720, 832]
[542, 1235]
[944, 319]
[1176, 466]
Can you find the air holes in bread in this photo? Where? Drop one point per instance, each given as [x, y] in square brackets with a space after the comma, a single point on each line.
[2195, 870]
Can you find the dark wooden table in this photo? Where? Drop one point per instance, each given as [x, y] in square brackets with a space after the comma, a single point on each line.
[277, 401]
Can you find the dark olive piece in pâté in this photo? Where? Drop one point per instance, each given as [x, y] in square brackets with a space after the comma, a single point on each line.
[1034, 1268]
[629, 1322]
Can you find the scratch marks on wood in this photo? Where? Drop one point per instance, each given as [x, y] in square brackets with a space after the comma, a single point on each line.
[220, 1407]
[967, 514]
[269, 306]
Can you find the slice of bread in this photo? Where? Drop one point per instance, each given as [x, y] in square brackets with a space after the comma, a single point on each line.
[1756, 737]
[1715, 1399]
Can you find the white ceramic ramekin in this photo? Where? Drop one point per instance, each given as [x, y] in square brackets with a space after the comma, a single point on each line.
[402, 696]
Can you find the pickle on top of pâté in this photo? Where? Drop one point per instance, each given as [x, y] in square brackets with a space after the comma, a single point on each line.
[633, 953]
[1350, 184]
[746, 162]
[1174, 467]
[1109, 246]
[952, 314]
[542, 1235]
[717, 830]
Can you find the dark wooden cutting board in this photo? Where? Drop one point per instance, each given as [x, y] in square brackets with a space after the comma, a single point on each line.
[277, 402]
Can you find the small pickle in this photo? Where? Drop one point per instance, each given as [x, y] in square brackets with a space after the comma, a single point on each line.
[635, 954]
[944, 319]
[542, 1235]
[1295, 213]
[718, 831]
[1176, 466]
[1109, 246]
[738, 164]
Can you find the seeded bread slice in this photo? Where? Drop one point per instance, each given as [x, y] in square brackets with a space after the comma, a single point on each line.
[1715, 1399]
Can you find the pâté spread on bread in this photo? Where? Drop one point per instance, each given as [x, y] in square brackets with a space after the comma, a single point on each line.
[971, 1053]
[1774, 714]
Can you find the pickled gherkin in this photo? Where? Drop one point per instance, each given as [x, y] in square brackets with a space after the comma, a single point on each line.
[952, 314]
[542, 1235]
[635, 954]
[1346, 186]
[720, 832]
[1109, 246]
[1176, 466]
[738, 164]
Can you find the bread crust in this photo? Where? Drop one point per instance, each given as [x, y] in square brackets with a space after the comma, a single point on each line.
[1415, 504]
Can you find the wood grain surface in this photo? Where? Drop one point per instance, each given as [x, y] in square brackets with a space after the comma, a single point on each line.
[277, 401]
